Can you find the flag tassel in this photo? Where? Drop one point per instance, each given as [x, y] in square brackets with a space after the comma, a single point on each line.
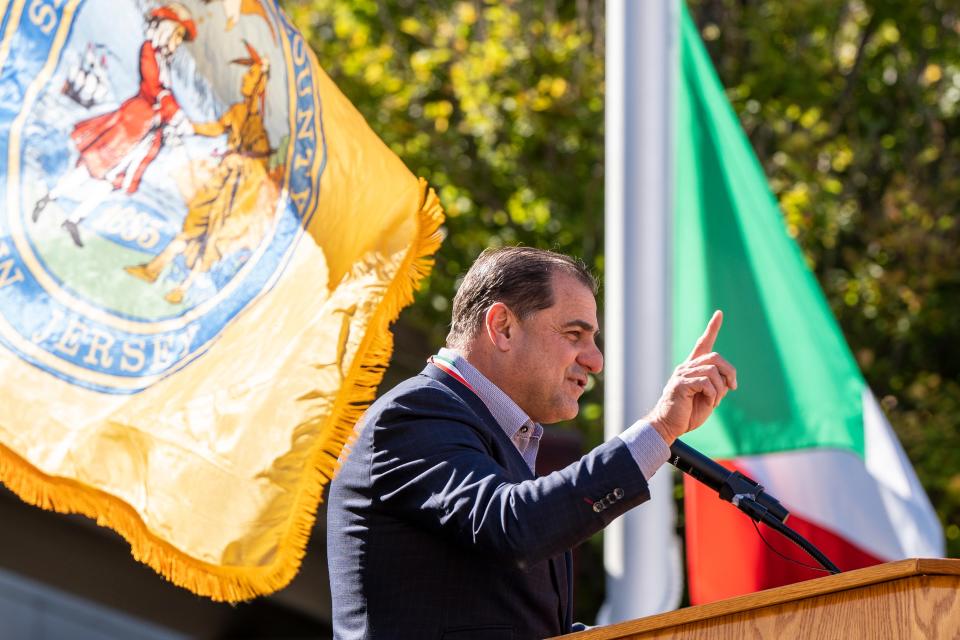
[238, 583]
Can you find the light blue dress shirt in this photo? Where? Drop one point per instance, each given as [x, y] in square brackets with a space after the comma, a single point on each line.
[644, 443]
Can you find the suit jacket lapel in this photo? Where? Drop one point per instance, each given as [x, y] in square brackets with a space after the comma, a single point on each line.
[560, 565]
[567, 591]
[517, 464]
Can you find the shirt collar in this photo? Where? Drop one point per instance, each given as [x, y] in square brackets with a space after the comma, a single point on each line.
[505, 411]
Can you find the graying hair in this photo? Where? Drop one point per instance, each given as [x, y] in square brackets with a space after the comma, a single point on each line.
[519, 277]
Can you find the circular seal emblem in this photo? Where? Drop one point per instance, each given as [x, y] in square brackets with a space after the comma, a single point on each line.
[162, 162]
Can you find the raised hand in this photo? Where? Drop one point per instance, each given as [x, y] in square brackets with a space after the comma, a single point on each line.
[695, 388]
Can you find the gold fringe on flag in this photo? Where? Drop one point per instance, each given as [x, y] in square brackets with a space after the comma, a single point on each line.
[238, 583]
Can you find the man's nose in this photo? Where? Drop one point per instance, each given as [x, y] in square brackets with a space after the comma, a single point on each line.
[592, 359]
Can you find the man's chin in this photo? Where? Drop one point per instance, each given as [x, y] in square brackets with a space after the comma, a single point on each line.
[563, 415]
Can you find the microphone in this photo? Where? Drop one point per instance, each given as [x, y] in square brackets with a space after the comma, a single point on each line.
[732, 486]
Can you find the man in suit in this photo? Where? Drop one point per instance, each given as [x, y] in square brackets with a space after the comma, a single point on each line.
[437, 526]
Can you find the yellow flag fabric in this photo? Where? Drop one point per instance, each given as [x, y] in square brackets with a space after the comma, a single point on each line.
[202, 246]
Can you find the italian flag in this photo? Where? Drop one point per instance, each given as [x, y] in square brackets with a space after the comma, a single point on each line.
[803, 423]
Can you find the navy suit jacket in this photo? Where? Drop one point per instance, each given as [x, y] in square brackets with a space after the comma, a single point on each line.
[436, 528]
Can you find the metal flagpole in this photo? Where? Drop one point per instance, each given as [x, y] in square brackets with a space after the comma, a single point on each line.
[641, 549]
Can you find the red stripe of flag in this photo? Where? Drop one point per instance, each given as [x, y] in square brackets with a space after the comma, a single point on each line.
[726, 557]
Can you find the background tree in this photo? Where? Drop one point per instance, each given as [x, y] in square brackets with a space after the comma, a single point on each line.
[500, 106]
[852, 108]
[850, 105]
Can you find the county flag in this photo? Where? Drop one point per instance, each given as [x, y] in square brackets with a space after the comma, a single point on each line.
[803, 422]
[202, 245]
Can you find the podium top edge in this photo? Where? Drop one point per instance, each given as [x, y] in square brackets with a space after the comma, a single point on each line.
[847, 580]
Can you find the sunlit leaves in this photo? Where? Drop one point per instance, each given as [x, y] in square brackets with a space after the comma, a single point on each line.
[498, 104]
[851, 107]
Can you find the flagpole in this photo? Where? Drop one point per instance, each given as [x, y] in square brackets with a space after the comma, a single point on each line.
[641, 550]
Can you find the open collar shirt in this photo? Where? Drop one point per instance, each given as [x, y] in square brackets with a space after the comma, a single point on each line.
[644, 443]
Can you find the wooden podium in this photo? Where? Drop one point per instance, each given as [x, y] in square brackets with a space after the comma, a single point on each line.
[916, 598]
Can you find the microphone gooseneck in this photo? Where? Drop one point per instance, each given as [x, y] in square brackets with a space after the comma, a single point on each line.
[744, 493]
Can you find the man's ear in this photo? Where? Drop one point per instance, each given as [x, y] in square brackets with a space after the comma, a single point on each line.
[500, 325]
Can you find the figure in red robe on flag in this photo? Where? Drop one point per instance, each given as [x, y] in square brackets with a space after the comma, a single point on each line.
[117, 147]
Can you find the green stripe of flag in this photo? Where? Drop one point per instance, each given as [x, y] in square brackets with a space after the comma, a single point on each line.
[799, 384]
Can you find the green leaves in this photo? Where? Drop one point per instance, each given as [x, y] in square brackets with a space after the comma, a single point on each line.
[498, 104]
[851, 107]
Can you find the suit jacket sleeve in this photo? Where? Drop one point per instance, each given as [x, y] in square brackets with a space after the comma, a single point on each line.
[435, 464]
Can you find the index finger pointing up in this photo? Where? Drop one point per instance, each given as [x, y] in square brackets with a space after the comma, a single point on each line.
[705, 343]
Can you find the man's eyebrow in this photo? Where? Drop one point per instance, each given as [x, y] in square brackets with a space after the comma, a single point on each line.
[583, 324]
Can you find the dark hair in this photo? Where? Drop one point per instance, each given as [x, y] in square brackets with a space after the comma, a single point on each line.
[519, 277]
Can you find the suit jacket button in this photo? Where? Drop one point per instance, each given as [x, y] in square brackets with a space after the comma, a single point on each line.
[611, 497]
[597, 507]
[618, 493]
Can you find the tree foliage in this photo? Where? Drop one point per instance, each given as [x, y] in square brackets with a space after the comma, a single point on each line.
[852, 109]
[500, 106]
[851, 106]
